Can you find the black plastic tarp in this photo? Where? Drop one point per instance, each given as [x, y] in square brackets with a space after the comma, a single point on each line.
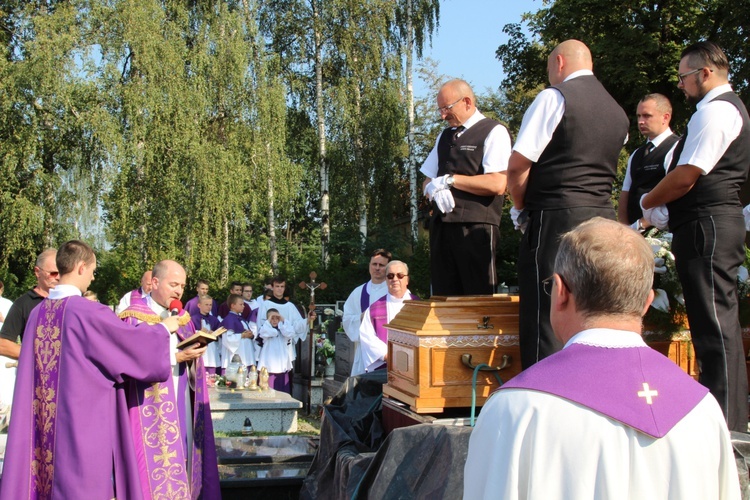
[354, 460]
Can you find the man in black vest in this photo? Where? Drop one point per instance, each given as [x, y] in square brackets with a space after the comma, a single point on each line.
[701, 193]
[646, 166]
[465, 181]
[560, 174]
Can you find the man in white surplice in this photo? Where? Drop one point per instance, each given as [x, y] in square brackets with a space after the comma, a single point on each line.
[360, 299]
[606, 417]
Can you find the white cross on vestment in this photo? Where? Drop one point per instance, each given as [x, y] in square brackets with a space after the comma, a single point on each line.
[647, 393]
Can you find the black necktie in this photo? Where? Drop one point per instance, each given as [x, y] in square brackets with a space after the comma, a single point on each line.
[649, 147]
[457, 132]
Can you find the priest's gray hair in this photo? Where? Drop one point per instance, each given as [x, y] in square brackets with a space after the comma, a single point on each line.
[608, 267]
[393, 263]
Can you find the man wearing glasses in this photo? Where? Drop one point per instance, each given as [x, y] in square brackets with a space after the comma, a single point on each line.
[560, 174]
[47, 276]
[373, 336]
[701, 194]
[606, 417]
[465, 181]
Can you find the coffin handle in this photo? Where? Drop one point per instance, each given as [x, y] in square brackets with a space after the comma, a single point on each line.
[466, 360]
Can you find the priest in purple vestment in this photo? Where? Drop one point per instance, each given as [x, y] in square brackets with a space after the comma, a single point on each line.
[606, 417]
[70, 435]
[137, 294]
[373, 335]
[178, 461]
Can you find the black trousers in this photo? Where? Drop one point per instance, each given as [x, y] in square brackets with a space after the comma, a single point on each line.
[536, 263]
[462, 258]
[708, 252]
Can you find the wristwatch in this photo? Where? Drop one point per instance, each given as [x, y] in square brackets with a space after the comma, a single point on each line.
[449, 181]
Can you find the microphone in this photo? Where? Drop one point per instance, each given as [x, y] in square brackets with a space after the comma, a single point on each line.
[175, 307]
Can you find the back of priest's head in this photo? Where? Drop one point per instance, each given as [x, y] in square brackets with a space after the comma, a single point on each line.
[71, 253]
[608, 268]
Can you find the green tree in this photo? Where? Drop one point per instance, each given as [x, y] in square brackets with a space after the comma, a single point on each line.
[635, 45]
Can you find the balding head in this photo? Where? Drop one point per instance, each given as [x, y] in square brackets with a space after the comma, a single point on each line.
[456, 102]
[146, 282]
[567, 58]
[167, 282]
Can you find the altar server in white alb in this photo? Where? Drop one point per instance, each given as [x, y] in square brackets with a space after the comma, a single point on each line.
[291, 317]
[240, 335]
[606, 417]
[360, 299]
[372, 333]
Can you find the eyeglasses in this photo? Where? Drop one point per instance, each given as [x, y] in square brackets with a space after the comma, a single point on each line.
[547, 284]
[400, 276]
[681, 76]
[52, 274]
[441, 111]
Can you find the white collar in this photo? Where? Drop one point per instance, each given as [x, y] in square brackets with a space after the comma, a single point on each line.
[606, 337]
[473, 119]
[394, 300]
[154, 306]
[62, 291]
[661, 137]
[580, 72]
[713, 93]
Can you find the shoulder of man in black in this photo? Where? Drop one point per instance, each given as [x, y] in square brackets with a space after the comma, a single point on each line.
[18, 315]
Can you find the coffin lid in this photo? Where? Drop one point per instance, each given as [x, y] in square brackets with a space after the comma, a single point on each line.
[464, 315]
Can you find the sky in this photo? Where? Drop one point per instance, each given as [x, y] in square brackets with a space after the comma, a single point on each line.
[470, 32]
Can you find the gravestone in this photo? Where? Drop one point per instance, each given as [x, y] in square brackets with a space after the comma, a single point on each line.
[344, 357]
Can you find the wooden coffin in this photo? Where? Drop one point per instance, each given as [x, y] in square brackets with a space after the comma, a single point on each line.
[426, 342]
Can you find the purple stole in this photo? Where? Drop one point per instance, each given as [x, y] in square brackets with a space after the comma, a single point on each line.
[636, 386]
[136, 295]
[379, 316]
[364, 298]
[158, 417]
[47, 346]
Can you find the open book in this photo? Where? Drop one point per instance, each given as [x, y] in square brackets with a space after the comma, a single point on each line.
[201, 337]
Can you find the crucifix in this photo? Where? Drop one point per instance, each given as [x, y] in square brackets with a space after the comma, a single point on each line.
[312, 285]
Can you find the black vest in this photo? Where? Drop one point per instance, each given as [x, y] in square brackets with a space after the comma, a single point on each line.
[645, 173]
[716, 193]
[578, 166]
[463, 155]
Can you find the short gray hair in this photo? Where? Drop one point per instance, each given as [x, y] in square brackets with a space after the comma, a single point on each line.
[393, 263]
[608, 267]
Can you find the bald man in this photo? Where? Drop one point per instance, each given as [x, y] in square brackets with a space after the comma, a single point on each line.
[560, 174]
[179, 408]
[136, 294]
[465, 182]
[616, 418]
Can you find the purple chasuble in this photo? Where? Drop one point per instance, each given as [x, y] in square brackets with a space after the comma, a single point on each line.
[379, 316]
[69, 435]
[157, 415]
[636, 386]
